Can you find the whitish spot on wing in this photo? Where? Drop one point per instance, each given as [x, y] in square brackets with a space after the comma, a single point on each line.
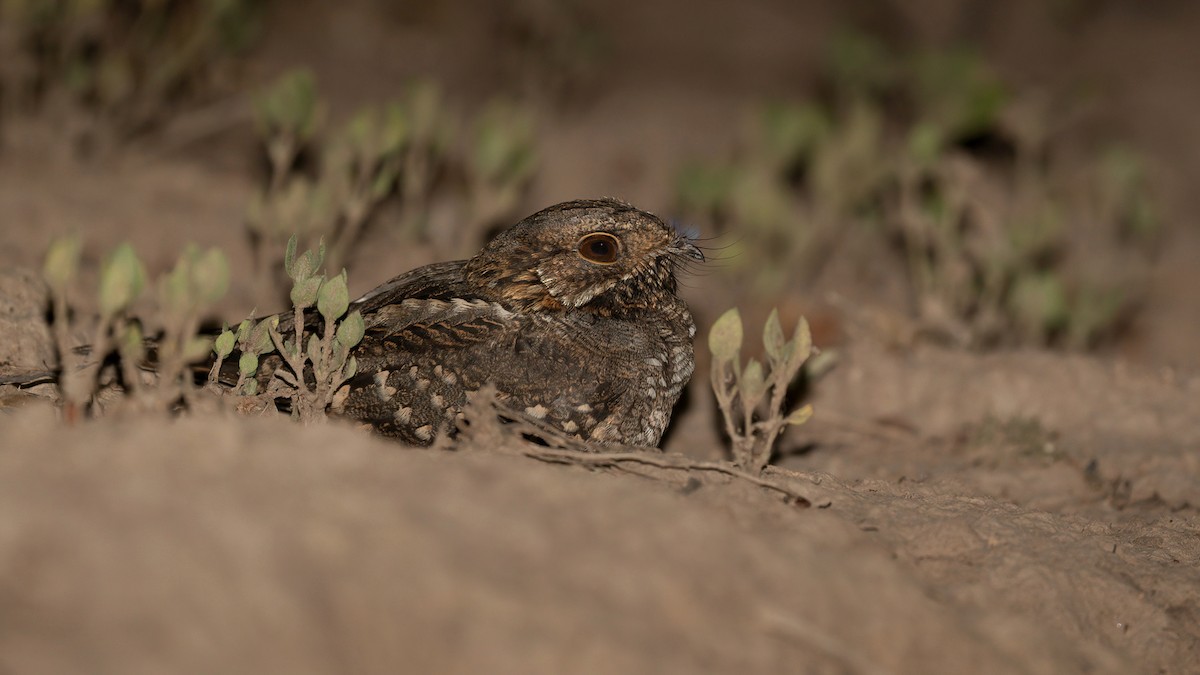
[339, 398]
[384, 391]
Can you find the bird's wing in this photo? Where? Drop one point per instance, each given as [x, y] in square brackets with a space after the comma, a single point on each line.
[431, 307]
[423, 324]
[439, 281]
[420, 356]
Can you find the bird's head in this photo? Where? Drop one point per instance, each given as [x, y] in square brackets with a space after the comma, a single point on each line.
[603, 255]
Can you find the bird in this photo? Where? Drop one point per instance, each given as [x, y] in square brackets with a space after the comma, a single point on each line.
[572, 315]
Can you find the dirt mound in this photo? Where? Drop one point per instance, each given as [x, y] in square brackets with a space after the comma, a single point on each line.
[154, 546]
[1061, 488]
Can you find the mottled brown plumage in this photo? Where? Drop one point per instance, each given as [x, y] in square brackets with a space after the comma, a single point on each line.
[571, 313]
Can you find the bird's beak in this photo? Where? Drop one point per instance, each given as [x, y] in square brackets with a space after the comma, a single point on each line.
[684, 246]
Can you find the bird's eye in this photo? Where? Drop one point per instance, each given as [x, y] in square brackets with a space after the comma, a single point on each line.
[600, 247]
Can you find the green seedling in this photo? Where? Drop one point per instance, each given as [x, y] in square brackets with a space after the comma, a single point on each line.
[318, 363]
[954, 91]
[59, 271]
[752, 397]
[361, 166]
[288, 114]
[396, 148]
[395, 151]
[122, 278]
[198, 280]
[426, 155]
[252, 339]
[892, 156]
[1123, 196]
[501, 162]
[118, 66]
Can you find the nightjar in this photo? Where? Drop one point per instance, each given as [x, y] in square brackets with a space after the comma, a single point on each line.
[572, 314]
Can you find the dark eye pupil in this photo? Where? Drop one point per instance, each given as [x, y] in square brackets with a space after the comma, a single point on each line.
[599, 248]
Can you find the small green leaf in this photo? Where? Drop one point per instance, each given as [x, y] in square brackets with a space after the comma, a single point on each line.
[121, 280]
[801, 344]
[361, 130]
[244, 329]
[62, 262]
[319, 254]
[333, 298]
[752, 383]
[289, 257]
[502, 145]
[210, 276]
[289, 105]
[1039, 303]
[132, 346]
[223, 345]
[259, 340]
[304, 291]
[787, 131]
[384, 181]
[800, 415]
[250, 387]
[314, 349]
[304, 266]
[773, 337]
[350, 369]
[350, 330]
[248, 363]
[725, 336]
[174, 290]
[925, 143]
[337, 356]
[197, 348]
[395, 128]
[307, 264]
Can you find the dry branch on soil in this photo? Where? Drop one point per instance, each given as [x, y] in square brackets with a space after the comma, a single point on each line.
[522, 434]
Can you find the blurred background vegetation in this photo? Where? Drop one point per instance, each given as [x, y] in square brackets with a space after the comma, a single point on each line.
[899, 156]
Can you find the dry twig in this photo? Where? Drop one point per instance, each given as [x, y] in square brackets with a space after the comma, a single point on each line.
[484, 412]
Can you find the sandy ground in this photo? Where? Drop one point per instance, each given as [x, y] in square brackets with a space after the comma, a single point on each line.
[1016, 512]
[145, 545]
